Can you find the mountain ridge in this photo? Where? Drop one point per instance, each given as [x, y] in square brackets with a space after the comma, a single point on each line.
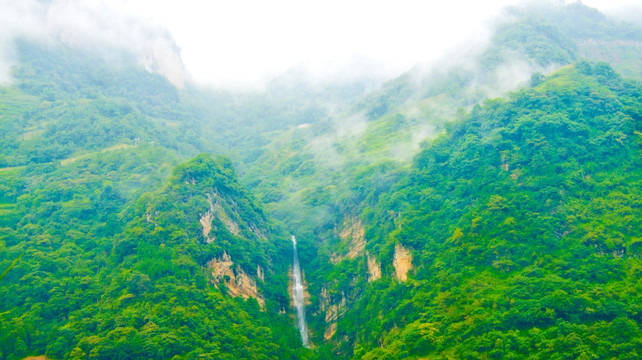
[433, 218]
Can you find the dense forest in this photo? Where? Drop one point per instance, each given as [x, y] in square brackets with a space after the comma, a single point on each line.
[523, 236]
[454, 213]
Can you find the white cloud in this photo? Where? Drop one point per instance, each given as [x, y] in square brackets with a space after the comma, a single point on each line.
[242, 42]
[245, 42]
[95, 26]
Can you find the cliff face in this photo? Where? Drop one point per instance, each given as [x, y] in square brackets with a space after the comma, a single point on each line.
[331, 311]
[237, 282]
[352, 236]
[334, 299]
[374, 268]
[218, 213]
[206, 223]
[402, 262]
[206, 201]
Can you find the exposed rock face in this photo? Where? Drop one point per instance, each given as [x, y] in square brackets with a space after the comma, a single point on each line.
[354, 233]
[237, 282]
[333, 310]
[206, 222]
[402, 262]
[162, 56]
[216, 210]
[149, 219]
[230, 224]
[330, 330]
[374, 268]
[259, 272]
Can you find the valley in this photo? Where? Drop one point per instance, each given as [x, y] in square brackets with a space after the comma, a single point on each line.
[488, 206]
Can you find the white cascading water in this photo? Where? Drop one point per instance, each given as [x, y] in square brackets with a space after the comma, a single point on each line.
[299, 300]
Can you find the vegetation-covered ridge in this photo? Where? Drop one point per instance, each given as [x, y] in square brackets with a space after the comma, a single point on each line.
[430, 222]
[524, 225]
[148, 288]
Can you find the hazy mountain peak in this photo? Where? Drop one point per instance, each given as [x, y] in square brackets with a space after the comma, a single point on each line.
[94, 27]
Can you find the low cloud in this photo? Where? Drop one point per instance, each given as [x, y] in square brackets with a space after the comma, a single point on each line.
[405, 151]
[96, 27]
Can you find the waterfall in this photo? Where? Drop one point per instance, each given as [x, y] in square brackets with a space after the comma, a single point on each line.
[299, 300]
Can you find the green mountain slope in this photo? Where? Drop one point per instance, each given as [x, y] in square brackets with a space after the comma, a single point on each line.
[147, 281]
[431, 223]
[388, 125]
[81, 201]
[522, 230]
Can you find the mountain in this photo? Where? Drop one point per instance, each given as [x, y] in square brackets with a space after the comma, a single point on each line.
[184, 270]
[387, 126]
[513, 233]
[484, 206]
[335, 174]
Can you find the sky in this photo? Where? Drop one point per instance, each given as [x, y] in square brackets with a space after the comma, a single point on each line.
[244, 43]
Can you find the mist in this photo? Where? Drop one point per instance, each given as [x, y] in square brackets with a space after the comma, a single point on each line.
[246, 44]
[628, 12]
[422, 96]
[93, 27]
[242, 45]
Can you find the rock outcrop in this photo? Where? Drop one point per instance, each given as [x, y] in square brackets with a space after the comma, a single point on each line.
[222, 215]
[374, 268]
[353, 233]
[402, 262]
[330, 330]
[206, 222]
[216, 211]
[238, 283]
[333, 310]
[259, 272]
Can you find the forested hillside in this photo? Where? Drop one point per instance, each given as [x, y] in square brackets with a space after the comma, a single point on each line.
[107, 279]
[522, 224]
[123, 252]
[484, 206]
